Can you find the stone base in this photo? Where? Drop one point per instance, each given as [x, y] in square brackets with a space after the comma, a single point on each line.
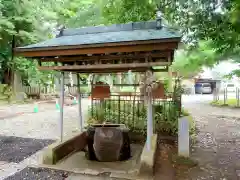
[148, 157]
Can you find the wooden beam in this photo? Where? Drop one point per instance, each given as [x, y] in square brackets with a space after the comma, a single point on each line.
[98, 50]
[164, 54]
[105, 66]
[107, 71]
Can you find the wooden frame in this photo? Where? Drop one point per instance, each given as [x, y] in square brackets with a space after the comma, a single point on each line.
[96, 50]
[99, 57]
[137, 56]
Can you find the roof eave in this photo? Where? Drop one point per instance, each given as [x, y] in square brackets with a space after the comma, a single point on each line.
[21, 51]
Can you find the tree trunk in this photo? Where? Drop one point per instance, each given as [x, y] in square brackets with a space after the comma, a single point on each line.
[7, 77]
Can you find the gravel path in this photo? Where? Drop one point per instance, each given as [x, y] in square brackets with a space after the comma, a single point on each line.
[218, 143]
[43, 126]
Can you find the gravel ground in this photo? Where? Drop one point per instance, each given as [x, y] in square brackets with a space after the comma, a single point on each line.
[217, 148]
[218, 143]
[32, 173]
[16, 149]
[43, 125]
[38, 174]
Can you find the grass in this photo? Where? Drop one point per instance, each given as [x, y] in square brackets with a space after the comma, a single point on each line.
[15, 102]
[5, 101]
[182, 165]
[181, 160]
[229, 103]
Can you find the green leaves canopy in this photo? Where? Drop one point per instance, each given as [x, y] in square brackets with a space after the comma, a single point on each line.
[210, 27]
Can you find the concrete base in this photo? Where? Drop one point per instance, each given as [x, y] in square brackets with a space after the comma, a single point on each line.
[79, 165]
[148, 157]
[72, 159]
[60, 150]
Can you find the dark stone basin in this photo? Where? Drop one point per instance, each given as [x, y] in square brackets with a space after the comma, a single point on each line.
[108, 142]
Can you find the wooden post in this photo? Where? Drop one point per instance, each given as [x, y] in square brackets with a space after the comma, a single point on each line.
[238, 93]
[225, 96]
[149, 118]
[119, 109]
[81, 123]
[170, 79]
[61, 105]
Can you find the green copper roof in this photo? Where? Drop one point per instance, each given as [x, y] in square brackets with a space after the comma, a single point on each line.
[137, 31]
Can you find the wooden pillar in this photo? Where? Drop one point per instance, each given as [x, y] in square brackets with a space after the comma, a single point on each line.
[149, 118]
[170, 79]
[81, 123]
[61, 105]
[148, 83]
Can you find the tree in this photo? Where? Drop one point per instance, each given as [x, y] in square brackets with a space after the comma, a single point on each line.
[22, 22]
[190, 62]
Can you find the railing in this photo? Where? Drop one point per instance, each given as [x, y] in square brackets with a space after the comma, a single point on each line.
[132, 111]
[44, 90]
[227, 97]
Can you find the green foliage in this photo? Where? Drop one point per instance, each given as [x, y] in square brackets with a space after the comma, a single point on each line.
[122, 11]
[190, 62]
[5, 92]
[165, 116]
[85, 90]
[24, 22]
[21, 22]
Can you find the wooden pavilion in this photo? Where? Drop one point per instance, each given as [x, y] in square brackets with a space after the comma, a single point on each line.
[135, 46]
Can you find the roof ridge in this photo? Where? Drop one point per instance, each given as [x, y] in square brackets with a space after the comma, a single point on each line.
[111, 28]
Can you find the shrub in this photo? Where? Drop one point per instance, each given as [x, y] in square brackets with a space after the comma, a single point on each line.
[6, 92]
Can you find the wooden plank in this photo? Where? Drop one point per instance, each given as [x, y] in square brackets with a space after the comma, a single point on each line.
[98, 50]
[164, 54]
[107, 71]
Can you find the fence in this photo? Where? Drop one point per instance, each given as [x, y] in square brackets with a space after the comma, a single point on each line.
[47, 90]
[131, 110]
[227, 97]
